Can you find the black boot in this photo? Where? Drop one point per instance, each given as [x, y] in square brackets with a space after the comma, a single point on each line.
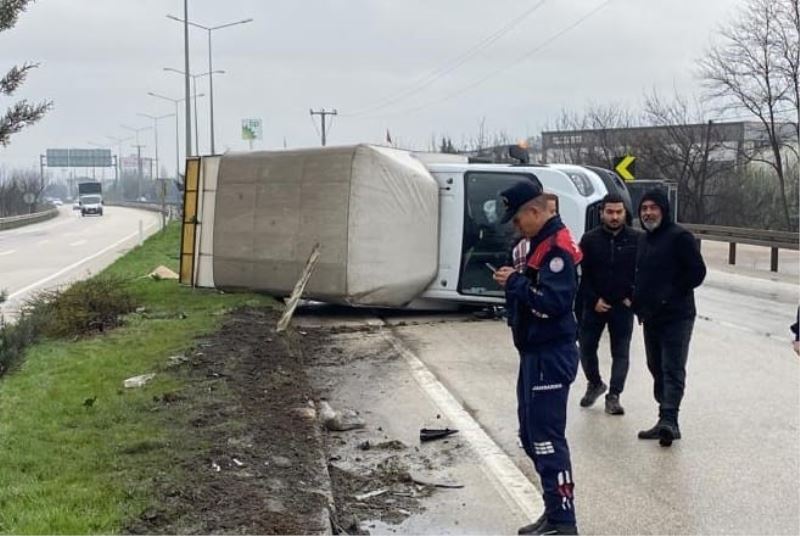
[655, 431]
[533, 527]
[552, 528]
[651, 433]
[613, 406]
[593, 392]
[668, 430]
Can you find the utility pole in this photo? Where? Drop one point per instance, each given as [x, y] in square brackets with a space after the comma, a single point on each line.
[139, 168]
[322, 113]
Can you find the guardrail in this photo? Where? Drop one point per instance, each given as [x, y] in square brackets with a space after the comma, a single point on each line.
[775, 240]
[171, 211]
[25, 219]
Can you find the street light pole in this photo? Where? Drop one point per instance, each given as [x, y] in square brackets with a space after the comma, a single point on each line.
[176, 103]
[186, 77]
[210, 92]
[156, 119]
[209, 29]
[119, 142]
[194, 79]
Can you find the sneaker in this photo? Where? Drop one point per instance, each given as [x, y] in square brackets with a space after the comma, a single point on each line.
[552, 528]
[668, 432]
[613, 406]
[593, 392]
[655, 432]
[533, 527]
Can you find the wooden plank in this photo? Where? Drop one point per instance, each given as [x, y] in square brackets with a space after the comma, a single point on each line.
[299, 287]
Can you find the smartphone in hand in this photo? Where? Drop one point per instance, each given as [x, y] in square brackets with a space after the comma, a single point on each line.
[491, 267]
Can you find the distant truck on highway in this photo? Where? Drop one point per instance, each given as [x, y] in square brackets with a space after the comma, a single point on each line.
[396, 228]
[90, 198]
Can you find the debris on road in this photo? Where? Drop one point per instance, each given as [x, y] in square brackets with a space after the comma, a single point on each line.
[337, 421]
[431, 434]
[385, 445]
[162, 272]
[176, 360]
[138, 381]
[369, 494]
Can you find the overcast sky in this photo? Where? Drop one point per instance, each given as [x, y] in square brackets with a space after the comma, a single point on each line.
[99, 58]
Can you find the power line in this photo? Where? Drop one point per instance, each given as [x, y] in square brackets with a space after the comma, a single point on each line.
[495, 72]
[450, 65]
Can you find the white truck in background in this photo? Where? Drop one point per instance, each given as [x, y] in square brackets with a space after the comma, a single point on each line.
[396, 228]
[90, 198]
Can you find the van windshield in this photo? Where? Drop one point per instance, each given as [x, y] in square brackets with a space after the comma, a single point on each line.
[485, 239]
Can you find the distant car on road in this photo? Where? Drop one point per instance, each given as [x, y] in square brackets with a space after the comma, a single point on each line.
[91, 204]
[76, 205]
[56, 202]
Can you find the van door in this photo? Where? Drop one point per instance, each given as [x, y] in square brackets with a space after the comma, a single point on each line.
[485, 240]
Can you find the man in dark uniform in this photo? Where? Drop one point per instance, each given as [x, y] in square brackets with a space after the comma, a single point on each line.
[608, 267]
[540, 293]
[669, 267]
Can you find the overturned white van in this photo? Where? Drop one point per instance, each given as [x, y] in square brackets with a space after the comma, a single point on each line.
[396, 228]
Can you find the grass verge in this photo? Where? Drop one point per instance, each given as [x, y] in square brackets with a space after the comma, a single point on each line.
[79, 450]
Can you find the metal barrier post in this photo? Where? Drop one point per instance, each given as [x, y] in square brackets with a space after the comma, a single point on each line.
[732, 253]
[773, 259]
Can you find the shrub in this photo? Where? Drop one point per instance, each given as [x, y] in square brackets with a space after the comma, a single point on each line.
[85, 307]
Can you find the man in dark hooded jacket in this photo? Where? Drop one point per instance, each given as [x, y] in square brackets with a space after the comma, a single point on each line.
[669, 267]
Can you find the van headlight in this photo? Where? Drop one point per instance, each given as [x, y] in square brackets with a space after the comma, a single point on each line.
[582, 183]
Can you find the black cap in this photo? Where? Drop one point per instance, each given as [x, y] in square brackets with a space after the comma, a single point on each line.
[513, 198]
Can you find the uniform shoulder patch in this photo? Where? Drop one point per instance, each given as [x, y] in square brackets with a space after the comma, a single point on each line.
[556, 264]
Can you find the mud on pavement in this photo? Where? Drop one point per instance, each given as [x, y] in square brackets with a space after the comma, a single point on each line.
[251, 454]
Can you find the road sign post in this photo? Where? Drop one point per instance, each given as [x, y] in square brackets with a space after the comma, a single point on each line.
[252, 129]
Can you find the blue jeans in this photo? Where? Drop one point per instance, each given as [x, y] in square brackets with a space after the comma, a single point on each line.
[667, 348]
[542, 394]
[620, 328]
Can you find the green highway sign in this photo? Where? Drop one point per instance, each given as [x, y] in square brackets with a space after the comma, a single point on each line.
[79, 158]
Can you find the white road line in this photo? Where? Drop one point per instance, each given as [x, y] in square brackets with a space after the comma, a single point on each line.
[514, 486]
[9, 252]
[42, 242]
[78, 243]
[76, 264]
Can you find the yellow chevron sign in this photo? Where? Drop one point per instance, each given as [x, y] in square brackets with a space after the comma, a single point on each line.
[625, 167]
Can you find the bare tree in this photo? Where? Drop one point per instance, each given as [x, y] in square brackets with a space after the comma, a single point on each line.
[22, 113]
[755, 70]
[689, 151]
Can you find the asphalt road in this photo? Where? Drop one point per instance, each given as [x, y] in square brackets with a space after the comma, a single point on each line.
[736, 469]
[64, 249]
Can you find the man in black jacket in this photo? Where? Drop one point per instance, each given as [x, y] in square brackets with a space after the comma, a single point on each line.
[668, 269]
[609, 263]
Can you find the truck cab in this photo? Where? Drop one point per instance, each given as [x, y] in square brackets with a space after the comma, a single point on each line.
[470, 211]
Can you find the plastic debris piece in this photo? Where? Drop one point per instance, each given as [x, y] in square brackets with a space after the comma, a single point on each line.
[138, 381]
[431, 434]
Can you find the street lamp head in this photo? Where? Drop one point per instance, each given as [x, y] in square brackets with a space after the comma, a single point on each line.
[173, 70]
[173, 17]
